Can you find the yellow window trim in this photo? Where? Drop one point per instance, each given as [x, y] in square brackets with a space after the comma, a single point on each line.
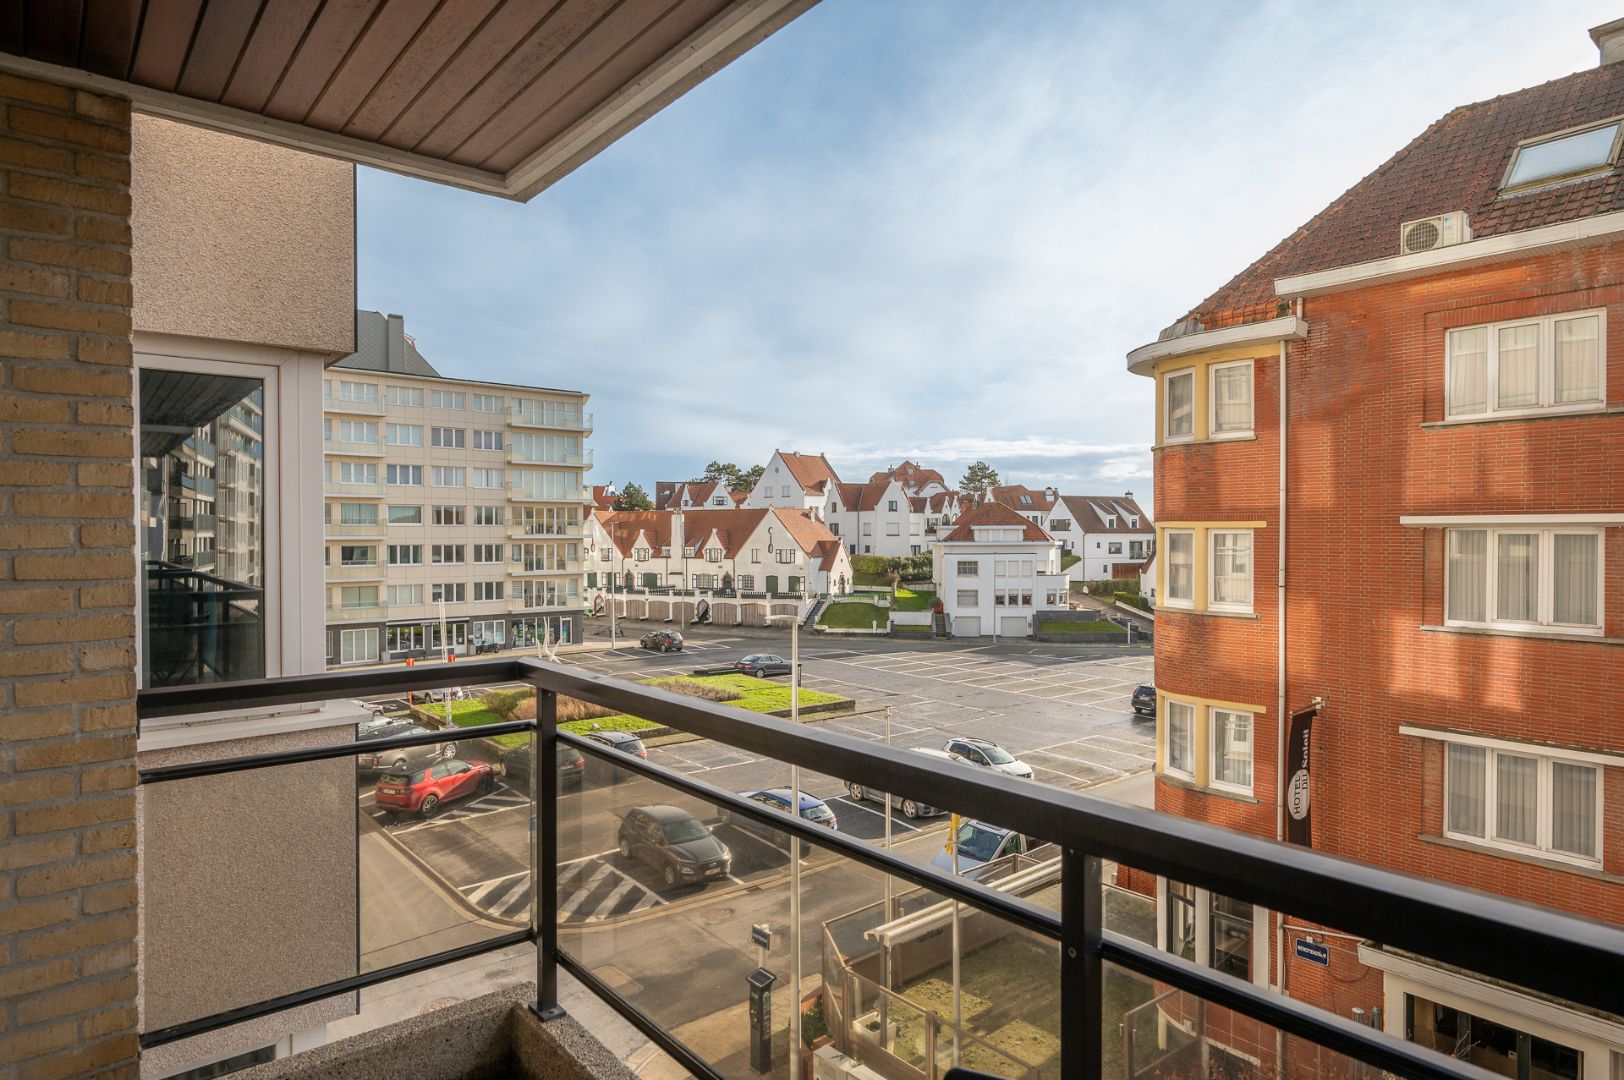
[1202, 721]
[1199, 363]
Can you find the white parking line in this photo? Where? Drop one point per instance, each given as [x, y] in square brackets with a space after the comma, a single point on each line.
[847, 800]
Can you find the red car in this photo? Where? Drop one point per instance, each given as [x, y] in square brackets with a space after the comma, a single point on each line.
[422, 790]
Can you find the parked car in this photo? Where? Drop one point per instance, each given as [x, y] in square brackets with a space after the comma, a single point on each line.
[911, 808]
[383, 727]
[989, 755]
[455, 693]
[661, 641]
[402, 758]
[761, 665]
[571, 766]
[813, 809]
[979, 844]
[423, 790]
[1144, 700]
[624, 741]
[674, 843]
[389, 706]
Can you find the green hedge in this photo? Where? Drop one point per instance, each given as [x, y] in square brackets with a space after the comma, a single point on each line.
[883, 569]
[1068, 560]
[1108, 586]
[1133, 599]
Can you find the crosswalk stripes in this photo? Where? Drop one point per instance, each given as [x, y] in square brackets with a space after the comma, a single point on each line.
[499, 798]
[588, 892]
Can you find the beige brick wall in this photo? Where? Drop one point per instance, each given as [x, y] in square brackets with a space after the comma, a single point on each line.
[67, 598]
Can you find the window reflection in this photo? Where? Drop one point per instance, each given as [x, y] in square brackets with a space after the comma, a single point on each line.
[202, 527]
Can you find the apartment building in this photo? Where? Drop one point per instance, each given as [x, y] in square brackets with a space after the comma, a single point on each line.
[996, 571]
[454, 508]
[1388, 563]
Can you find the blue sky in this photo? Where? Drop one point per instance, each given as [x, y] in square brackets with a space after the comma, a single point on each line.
[933, 228]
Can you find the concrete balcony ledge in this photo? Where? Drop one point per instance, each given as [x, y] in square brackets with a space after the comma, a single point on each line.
[492, 1036]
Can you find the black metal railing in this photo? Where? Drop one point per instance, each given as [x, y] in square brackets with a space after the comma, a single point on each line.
[1536, 948]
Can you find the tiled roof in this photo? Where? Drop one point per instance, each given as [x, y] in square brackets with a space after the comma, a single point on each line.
[603, 496]
[812, 535]
[993, 514]
[1010, 495]
[813, 473]
[733, 528]
[912, 475]
[1090, 511]
[1456, 164]
[863, 496]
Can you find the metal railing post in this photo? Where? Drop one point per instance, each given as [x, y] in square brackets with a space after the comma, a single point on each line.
[1082, 970]
[544, 874]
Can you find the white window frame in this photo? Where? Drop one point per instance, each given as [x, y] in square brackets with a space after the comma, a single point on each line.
[1213, 749]
[1213, 604]
[1167, 737]
[1168, 599]
[1547, 759]
[1167, 405]
[1212, 403]
[1547, 579]
[973, 564]
[1553, 179]
[1547, 367]
[363, 634]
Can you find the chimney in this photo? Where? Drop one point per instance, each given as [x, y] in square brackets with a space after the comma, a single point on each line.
[678, 541]
[1609, 39]
[395, 344]
[1127, 495]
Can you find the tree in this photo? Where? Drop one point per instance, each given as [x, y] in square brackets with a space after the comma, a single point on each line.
[730, 475]
[979, 479]
[750, 478]
[633, 497]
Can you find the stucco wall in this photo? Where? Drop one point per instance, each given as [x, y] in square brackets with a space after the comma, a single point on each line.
[239, 240]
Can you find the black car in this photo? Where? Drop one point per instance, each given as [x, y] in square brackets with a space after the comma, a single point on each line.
[1144, 700]
[675, 843]
[661, 641]
[761, 665]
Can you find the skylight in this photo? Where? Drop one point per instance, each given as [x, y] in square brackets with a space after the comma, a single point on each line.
[1564, 156]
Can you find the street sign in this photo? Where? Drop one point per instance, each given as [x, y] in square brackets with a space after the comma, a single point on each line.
[1313, 952]
[761, 935]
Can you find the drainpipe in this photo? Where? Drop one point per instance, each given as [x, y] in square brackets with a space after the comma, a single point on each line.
[1280, 710]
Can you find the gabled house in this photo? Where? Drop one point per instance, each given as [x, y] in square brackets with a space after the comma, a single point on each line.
[1103, 531]
[696, 495]
[1033, 505]
[604, 496]
[876, 518]
[996, 571]
[738, 550]
[800, 481]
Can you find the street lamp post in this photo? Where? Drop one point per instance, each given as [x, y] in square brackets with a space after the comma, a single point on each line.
[795, 843]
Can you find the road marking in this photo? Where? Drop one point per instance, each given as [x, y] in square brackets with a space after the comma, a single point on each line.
[579, 898]
[847, 800]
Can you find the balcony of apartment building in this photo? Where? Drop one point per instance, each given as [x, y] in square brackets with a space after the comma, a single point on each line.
[575, 459]
[346, 530]
[518, 493]
[353, 447]
[537, 415]
[363, 612]
[351, 405]
[360, 489]
[371, 570]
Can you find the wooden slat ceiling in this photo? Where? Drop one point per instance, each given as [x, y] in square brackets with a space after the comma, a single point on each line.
[504, 96]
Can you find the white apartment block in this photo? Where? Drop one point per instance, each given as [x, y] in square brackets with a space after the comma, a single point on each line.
[995, 571]
[1104, 531]
[455, 509]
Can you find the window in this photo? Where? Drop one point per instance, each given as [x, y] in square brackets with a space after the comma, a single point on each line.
[449, 592]
[1525, 800]
[488, 553]
[489, 515]
[1512, 1052]
[404, 434]
[487, 590]
[358, 431]
[1530, 365]
[449, 476]
[405, 554]
[488, 403]
[449, 554]
[785, 491]
[1231, 571]
[1180, 421]
[405, 515]
[405, 594]
[891, 506]
[1180, 717]
[358, 646]
[1180, 568]
[1181, 919]
[718, 500]
[487, 478]
[747, 583]
[789, 555]
[487, 440]
[447, 399]
[868, 528]
[404, 475]
[969, 598]
[358, 514]
[450, 515]
[1114, 548]
[405, 395]
[1231, 936]
[1563, 157]
[357, 391]
[357, 472]
[1231, 399]
[357, 555]
[755, 555]
[713, 554]
[893, 528]
[969, 568]
[451, 438]
[1524, 578]
[358, 596]
[1232, 750]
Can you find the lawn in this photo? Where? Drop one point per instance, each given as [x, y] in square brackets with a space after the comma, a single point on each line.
[908, 600]
[1068, 560]
[756, 695]
[909, 628]
[853, 616]
[473, 713]
[1094, 626]
[860, 578]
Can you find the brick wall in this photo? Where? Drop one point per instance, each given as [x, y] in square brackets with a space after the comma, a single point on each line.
[67, 594]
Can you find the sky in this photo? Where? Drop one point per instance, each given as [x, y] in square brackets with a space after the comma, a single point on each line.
[933, 229]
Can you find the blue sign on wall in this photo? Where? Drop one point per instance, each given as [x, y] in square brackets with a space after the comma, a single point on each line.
[1313, 952]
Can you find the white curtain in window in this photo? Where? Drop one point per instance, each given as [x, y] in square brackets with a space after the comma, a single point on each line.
[1180, 729]
[1232, 568]
[1573, 588]
[1469, 371]
[1468, 581]
[1573, 808]
[1466, 784]
[1232, 742]
[1181, 566]
[1516, 798]
[1519, 366]
[1232, 398]
[1578, 359]
[1180, 405]
[1517, 577]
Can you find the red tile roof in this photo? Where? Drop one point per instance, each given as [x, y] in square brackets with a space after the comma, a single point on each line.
[812, 535]
[993, 514]
[1456, 164]
[733, 529]
[1089, 511]
[812, 473]
[601, 497]
[863, 496]
[1010, 495]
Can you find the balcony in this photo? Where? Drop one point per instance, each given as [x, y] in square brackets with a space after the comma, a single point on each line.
[355, 613]
[351, 448]
[519, 416]
[571, 495]
[353, 406]
[516, 603]
[582, 460]
[374, 571]
[1095, 996]
[374, 531]
[339, 489]
[520, 531]
[558, 566]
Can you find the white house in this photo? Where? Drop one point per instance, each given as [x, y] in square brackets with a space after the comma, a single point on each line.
[737, 550]
[996, 570]
[697, 495]
[1035, 506]
[1104, 531]
[794, 481]
[896, 513]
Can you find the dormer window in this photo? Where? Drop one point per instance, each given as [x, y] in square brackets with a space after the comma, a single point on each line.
[1566, 156]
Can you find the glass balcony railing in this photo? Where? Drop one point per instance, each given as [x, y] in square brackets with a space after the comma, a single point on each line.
[557, 419]
[352, 448]
[516, 493]
[517, 455]
[354, 612]
[355, 490]
[357, 406]
[372, 571]
[721, 928]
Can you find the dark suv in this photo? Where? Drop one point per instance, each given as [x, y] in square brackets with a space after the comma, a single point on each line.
[661, 641]
[1144, 700]
[675, 843]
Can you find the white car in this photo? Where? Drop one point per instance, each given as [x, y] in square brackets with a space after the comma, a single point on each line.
[989, 755]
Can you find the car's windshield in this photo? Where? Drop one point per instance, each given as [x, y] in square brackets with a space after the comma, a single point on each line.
[978, 842]
[997, 754]
[680, 832]
[817, 812]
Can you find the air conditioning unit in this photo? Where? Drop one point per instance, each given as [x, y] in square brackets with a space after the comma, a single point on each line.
[1424, 234]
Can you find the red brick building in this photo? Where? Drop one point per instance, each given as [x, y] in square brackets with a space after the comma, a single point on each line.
[1420, 530]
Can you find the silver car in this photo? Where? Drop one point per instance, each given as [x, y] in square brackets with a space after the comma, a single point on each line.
[403, 758]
